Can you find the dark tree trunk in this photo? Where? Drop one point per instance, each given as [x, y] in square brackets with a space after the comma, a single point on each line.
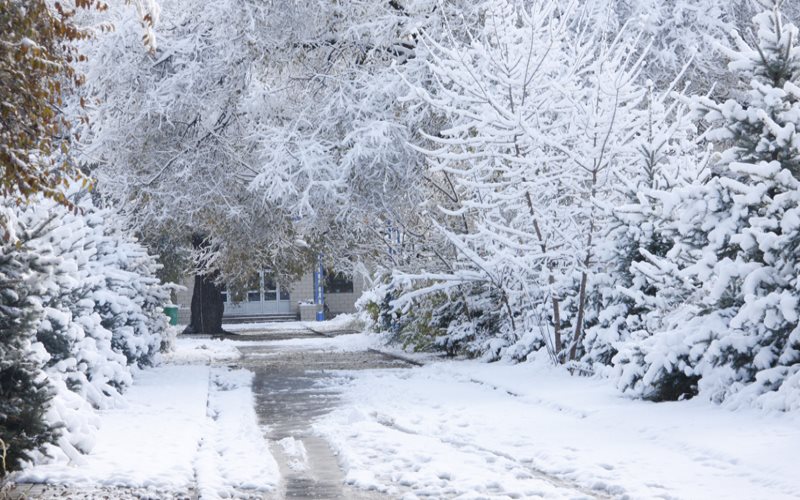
[207, 305]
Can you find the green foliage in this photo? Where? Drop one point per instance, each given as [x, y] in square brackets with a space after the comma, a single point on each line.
[673, 386]
[450, 322]
[24, 392]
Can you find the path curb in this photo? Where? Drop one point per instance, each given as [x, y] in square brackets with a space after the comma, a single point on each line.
[388, 354]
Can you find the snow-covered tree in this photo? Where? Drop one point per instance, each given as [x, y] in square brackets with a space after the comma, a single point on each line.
[538, 122]
[38, 57]
[168, 136]
[622, 302]
[735, 242]
[24, 390]
[268, 145]
[131, 300]
[95, 310]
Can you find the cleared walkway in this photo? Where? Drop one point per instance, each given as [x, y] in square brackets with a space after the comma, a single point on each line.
[290, 393]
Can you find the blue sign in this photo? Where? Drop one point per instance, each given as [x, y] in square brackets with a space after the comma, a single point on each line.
[319, 289]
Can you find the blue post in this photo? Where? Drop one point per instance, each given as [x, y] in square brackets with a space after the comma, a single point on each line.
[319, 289]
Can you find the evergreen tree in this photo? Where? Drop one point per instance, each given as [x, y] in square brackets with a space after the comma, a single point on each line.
[622, 299]
[24, 391]
[100, 311]
[736, 240]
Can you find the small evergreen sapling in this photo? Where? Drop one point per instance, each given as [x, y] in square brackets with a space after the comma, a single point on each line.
[622, 302]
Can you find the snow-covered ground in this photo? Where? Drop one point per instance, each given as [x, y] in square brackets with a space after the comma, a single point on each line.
[187, 427]
[503, 431]
[449, 429]
[196, 350]
[342, 343]
[233, 452]
[340, 322]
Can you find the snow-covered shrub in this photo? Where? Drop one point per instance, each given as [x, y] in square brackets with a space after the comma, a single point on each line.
[25, 394]
[462, 320]
[623, 302]
[99, 311]
[736, 240]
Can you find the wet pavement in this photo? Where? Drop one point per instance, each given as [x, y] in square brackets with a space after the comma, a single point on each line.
[292, 388]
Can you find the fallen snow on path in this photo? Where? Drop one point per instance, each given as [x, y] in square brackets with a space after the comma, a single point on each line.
[185, 427]
[234, 451]
[356, 342]
[194, 350]
[295, 451]
[498, 431]
[339, 323]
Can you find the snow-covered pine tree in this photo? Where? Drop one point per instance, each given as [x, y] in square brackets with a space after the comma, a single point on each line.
[72, 331]
[101, 312]
[622, 300]
[24, 391]
[83, 368]
[131, 301]
[736, 241]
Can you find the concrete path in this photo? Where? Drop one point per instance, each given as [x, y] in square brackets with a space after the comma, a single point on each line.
[289, 396]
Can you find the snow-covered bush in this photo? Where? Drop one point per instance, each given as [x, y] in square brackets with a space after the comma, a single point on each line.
[462, 320]
[735, 243]
[622, 302]
[25, 394]
[98, 310]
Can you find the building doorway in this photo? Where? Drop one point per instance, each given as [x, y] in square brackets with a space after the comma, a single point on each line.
[264, 297]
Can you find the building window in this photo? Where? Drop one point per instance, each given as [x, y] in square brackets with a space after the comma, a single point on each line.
[254, 289]
[270, 292]
[338, 283]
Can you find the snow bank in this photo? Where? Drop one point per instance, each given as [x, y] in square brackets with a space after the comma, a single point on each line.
[151, 442]
[472, 429]
[233, 453]
[355, 342]
[265, 327]
[188, 350]
[339, 323]
[184, 427]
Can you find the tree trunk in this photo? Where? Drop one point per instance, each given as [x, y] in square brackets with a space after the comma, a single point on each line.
[207, 305]
[557, 326]
[577, 337]
[550, 279]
